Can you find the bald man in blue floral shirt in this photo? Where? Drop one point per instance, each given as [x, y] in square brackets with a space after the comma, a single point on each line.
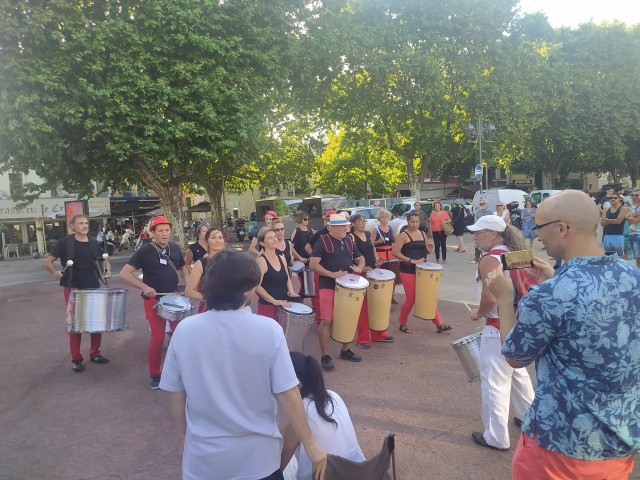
[582, 328]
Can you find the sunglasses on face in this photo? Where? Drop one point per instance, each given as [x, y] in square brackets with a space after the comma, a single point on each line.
[537, 227]
[305, 218]
[635, 196]
[278, 229]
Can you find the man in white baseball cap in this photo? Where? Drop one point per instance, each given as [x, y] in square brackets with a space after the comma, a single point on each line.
[499, 382]
[332, 257]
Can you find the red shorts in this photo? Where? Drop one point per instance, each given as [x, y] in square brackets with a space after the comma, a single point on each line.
[325, 302]
[532, 462]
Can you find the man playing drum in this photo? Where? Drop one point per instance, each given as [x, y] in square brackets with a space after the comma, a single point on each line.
[499, 381]
[332, 257]
[160, 262]
[79, 255]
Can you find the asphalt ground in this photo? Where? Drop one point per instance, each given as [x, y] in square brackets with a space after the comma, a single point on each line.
[106, 424]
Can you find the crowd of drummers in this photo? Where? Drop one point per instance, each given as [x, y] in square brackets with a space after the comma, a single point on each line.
[349, 275]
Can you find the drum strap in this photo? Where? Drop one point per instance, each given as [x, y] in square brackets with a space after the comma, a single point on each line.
[325, 240]
[93, 248]
[166, 257]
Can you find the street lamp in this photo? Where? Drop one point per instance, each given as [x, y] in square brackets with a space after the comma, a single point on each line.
[478, 134]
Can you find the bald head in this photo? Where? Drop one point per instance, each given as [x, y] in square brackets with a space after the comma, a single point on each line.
[575, 208]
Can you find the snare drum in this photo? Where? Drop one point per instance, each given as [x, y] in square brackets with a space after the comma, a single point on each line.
[379, 296]
[97, 310]
[468, 351]
[299, 324]
[174, 308]
[427, 286]
[349, 296]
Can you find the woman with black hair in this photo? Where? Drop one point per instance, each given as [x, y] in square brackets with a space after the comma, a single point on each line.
[328, 418]
[227, 411]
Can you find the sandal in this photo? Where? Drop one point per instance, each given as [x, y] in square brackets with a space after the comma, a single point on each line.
[404, 328]
[443, 327]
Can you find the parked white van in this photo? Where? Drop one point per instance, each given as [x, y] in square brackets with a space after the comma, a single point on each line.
[505, 195]
[539, 195]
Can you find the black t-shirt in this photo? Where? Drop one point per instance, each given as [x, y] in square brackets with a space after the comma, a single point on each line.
[198, 251]
[83, 273]
[316, 236]
[366, 249]
[335, 255]
[300, 241]
[157, 272]
[415, 250]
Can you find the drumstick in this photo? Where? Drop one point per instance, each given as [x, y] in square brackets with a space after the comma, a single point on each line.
[468, 307]
[169, 293]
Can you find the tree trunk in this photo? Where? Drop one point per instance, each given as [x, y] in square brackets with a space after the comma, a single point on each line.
[214, 192]
[170, 191]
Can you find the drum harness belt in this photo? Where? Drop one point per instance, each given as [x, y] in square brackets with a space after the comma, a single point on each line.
[333, 248]
[93, 248]
[384, 250]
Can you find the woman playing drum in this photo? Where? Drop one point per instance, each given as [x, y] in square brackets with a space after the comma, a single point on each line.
[383, 241]
[198, 249]
[268, 218]
[362, 240]
[215, 244]
[411, 248]
[275, 287]
[301, 236]
[284, 245]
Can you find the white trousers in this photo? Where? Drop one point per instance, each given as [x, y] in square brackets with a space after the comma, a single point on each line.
[500, 384]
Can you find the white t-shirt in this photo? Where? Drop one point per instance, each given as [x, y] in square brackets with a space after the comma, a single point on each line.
[229, 364]
[335, 439]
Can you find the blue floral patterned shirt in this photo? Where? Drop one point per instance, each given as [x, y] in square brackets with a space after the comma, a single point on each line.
[582, 327]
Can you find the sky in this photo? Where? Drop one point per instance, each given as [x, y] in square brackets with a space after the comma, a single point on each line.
[571, 13]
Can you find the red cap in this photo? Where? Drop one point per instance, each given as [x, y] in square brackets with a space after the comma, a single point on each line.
[270, 212]
[159, 220]
[328, 213]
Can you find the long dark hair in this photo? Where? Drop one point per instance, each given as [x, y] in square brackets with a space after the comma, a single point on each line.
[310, 375]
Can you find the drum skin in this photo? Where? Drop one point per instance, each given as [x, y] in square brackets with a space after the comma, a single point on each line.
[379, 297]
[427, 286]
[97, 310]
[349, 296]
[174, 308]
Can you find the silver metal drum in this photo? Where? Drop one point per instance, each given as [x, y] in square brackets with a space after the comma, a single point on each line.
[175, 307]
[97, 310]
[299, 324]
[468, 351]
[307, 282]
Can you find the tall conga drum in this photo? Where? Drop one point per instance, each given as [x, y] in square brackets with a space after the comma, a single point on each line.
[379, 296]
[349, 296]
[427, 286]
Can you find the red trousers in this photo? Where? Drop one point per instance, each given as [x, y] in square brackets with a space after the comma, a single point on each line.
[532, 462]
[269, 310]
[76, 338]
[315, 301]
[364, 334]
[157, 325]
[409, 284]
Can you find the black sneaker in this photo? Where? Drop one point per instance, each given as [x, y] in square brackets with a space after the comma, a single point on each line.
[327, 363]
[99, 359]
[154, 383]
[349, 355]
[77, 366]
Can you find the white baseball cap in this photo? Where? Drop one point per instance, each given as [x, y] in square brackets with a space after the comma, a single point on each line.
[488, 222]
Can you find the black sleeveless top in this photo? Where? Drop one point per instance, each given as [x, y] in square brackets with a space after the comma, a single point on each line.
[274, 282]
[365, 247]
[300, 241]
[414, 249]
[613, 229]
[287, 251]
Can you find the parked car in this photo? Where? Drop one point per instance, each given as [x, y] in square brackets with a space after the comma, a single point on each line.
[448, 203]
[368, 212]
[539, 195]
[505, 195]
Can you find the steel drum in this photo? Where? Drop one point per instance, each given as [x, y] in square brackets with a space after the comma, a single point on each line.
[349, 297]
[299, 324]
[379, 297]
[174, 308]
[97, 310]
[427, 286]
[468, 351]
[306, 278]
